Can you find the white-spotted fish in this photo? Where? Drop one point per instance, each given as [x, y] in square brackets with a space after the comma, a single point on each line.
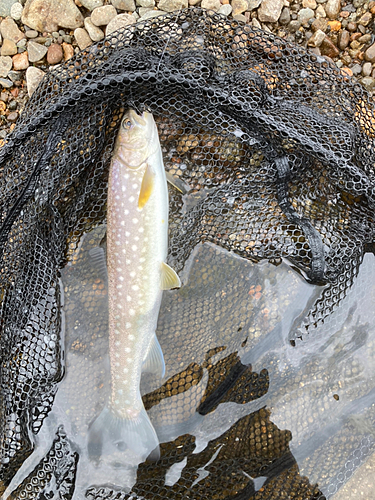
[137, 243]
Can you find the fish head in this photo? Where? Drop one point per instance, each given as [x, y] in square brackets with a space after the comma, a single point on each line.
[137, 139]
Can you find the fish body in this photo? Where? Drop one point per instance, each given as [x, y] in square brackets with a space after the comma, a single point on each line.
[137, 244]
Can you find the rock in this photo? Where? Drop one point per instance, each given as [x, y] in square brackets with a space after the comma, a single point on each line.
[317, 39]
[270, 10]
[149, 14]
[9, 48]
[365, 19]
[294, 26]
[239, 6]
[365, 38]
[366, 69]
[94, 32]
[334, 25]
[5, 7]
[120, 21]
[320, 12]
[15, 76]
[225, 9]
[36, 51]
[31, 34]
[20, 61]
[356, 69]
[309, 4]
[368, 82]
[253, 4]
[343, 41]
[92, 4]
[327, 48]
[145, 3]
[48, 15]
[211, 4]
[172, 5]
[142, 10]
[7, 84]
[16, 11]
[128, 5]
[82, 38]
[13, 116]
[319, 24]
[352, 27]
[370, 53]
[333, 8]
[5, 65]
[101, 16]
[68, 51]
[304, 15]
[54, 54]
[9, 30]
[33, 77]
[256, 24]
[284, 16]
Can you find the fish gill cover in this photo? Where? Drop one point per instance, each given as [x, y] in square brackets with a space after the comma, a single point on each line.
[275, 147]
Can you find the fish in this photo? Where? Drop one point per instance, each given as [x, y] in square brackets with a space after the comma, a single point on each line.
[137, 246]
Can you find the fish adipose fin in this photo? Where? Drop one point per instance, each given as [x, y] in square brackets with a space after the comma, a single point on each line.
[147, 186]
[112, 436]
[169, 278]
[154, 359]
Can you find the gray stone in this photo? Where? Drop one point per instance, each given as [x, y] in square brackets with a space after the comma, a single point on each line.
[225, 9]
[256, 24]
[36, 51]
[239, 6]
[94, 32]
[9, 30]
[92, 4]
[5, 6]
[7, 84]
[333, 8]
[270, 10]
[31, 34]
[145, 3]
[144, 10]
[128, 5]
[48, 15]
[67, 38]
[284, 16]
[253, 4]
[150, 14]
[101, 16]
[172, 5]
[16, 11]
[367, 68]
[368, 82]
[211, 5]
[356, 69]
[82, 38]
[5, 65]
[304, 15]
[15, 76]
[33, 78]
[120, 21]
[317, 39]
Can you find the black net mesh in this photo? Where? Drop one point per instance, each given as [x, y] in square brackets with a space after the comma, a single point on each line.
[274, 147]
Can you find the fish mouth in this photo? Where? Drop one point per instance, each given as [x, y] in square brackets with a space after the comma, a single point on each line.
[140, 120]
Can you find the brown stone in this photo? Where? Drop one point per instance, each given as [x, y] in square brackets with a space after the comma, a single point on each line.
[48, 15]
[68, 51]
[9, 48]
[352, 27]
[327, 48]
[9, 30]
[54, 53]
[12, 117]
[20, 61]
[319, 24]
[346, 71]
[370, 53]
[335, 25]
[344, 14]
[365, 19]
[355, 36]
[343, 41]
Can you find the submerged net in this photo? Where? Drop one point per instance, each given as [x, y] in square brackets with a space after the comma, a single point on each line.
[274, 148]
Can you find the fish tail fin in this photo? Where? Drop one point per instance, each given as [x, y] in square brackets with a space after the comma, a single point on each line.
[113, 435]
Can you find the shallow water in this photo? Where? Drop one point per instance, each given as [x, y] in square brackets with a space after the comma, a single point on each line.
[296, 411]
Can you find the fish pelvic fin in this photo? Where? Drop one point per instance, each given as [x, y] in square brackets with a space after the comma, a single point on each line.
[169, 278]
[147, 186]
[154, 359]
[111, 435]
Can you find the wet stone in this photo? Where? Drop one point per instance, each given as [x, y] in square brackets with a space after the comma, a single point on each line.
[128, 5]
[13, 116]
[9, 48]
[15, 76]
[120, 21]
[270, 10]
[5, 65]
[94, 32]
[54, 54]
[327, 48]
[316, 39]
[319, 24]
[82, 38]
[101, 16]
[36, 51]
[333, 8]
[284, 16]
[33, 77]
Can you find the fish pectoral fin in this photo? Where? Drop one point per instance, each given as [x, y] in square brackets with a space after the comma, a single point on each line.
[169, 278]
[154, 359]
[147, 186]
[177, 183]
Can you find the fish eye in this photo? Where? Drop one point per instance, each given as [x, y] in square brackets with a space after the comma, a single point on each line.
[127, 124]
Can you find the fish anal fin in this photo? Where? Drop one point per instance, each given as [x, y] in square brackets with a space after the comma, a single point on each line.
[147, 186]
[154, 360]
[169, 278]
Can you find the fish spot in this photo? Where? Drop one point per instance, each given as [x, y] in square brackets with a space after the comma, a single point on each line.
[124, 251]
[142, 259]
[120, 391]
[117, 197]
[131, 337]
[118, 269]
[130, 360]
[141, 229]
[117, 364]
[132, 274]
[131, 312]
[119, 306]
[125, 370]
[131, 199]
[122, 223]
[135, 287]
[118, 242]
[117, 402]
[135, 221]
[121, 278]
[117, 343]
[140, 268]
[127, 234]
[128, 325]
[126, 176]
[128, 298]
[117, 355]
[118, 287]
[127, 401]
[134, 248]
[127, 349]
[117, 377]
[135, 186]
[123, 188]
[128, 261]
[136, 238]
[126, 212]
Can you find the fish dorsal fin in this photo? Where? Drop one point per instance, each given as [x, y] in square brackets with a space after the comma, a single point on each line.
[169, 278]
[147, 186]
[154, 360]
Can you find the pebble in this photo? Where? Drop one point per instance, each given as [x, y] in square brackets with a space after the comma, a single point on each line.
[366, 69]
[13, 116]
[225, 9]
[143, 10]
[368, 82]
[343, 40]
[91, 4]
[20, 61]
[304, 15]
[309, 4]
[211, 5]
[149, 14]
[68, 50]
[146, 3]
[94, 32]
[356, 69]
[5, 65]
[370, 53]
[16, 11]
[15, 76]
[319, 24]
[294, 26]
[365, 19]
[48, 15]
[54, 53]
[7, 84]
[101, 16]
[128, 5]
[334, 25]
[120, 21]
[36, 51]
[239, 6]
[333, 8]
[82, 38]
[320, 12]
[33, 77]
[171, 5]
[327, 48]
[317, 39]
[9, 30]
[31, 34]
[9, 48]
[5, 7]
[284, 16]
[270, 10]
